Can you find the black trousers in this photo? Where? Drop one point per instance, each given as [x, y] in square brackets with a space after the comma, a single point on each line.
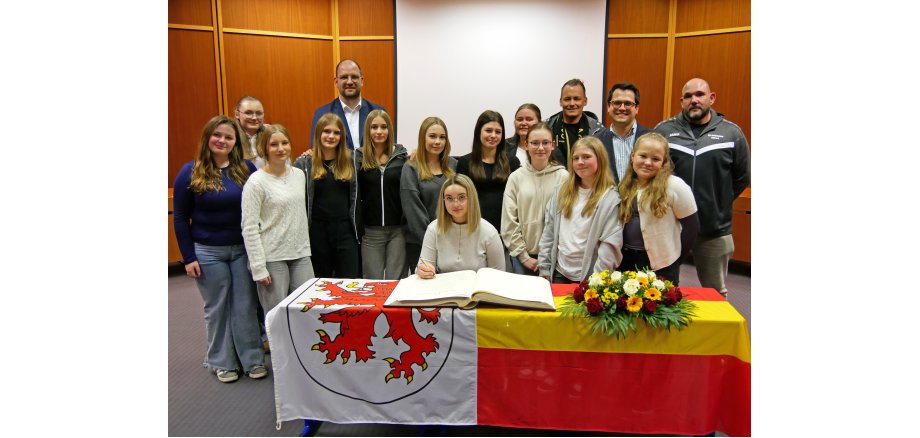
[335, 250]
[638, 259]
[413, 252]
[558, 278]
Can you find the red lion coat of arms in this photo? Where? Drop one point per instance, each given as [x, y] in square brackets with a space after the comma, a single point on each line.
[354, 309]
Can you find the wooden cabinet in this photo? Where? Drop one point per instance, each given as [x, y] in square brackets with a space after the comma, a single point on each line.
[741, 227]
[174, 255]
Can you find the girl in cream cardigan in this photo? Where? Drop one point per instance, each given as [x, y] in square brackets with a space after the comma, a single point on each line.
[657, 209]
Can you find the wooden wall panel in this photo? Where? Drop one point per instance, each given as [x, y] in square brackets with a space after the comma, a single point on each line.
[194, 12]
[641, 61]
[366, 18]
[294, 16]
[377, 65]
[724, 61]
[192, 93]
[638, 16]
[695, 15]
[291, 76]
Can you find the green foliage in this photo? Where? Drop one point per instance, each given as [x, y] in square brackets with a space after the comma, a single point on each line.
[619, 322]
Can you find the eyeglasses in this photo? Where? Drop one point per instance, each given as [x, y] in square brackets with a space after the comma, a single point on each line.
[256, 114]
[624, 103]
[538, 143]
[450, 199]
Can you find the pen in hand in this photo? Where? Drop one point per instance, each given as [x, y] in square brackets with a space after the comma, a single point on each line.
[425, 270]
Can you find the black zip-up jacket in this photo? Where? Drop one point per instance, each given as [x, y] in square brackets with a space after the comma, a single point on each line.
[379, 193]
[716, 165]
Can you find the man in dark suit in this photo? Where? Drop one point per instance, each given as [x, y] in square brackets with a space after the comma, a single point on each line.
[349, 106]
[622, 106]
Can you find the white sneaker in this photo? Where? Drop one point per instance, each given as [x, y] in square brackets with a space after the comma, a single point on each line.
[227, 376]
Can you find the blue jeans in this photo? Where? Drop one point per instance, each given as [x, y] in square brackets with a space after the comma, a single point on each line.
[518, 268]
[229, 297]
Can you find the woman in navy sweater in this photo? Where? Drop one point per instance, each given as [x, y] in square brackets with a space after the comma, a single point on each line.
[207, 216]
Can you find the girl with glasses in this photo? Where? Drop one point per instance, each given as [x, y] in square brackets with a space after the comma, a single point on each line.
[459, 239]
[526, 195]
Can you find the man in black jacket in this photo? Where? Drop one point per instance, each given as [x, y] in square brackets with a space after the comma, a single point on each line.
[711, 155]
[622, 106]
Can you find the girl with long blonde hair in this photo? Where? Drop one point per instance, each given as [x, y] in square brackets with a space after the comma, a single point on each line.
[658, 210]
[332, 194]
[380, 165]
[421, 181]
[459, 239]
[581, 234]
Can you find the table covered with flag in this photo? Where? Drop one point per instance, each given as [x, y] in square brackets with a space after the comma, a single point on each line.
[339, 355]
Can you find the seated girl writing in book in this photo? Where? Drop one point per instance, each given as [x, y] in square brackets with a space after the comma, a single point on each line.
[664, 206]
[459, 239]
[581, 233]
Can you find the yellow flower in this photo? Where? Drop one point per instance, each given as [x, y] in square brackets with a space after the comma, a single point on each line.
[643, 280]
[634, 304]
[653, 294]
[631, 274]
[590, 293]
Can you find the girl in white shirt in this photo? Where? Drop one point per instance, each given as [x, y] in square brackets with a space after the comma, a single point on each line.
[657, 209]
[459, 239]
[275, 228]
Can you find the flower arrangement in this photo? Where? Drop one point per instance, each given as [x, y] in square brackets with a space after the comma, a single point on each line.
[617, 299]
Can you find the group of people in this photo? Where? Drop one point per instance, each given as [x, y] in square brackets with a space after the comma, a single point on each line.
[559, 198]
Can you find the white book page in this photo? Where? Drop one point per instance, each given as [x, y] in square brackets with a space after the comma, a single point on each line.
[450, 285]
[514, 286]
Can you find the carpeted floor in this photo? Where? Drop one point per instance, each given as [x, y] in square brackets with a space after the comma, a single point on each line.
[199, 405]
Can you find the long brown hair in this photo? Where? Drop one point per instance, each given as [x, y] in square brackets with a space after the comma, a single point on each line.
[343, 168]
[205, 174]
[655, 196]
[603, 180]
[502, 166]
[369, 159]
[420, 160]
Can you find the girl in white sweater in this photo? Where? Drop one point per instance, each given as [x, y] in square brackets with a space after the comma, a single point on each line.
[459, 239]
[275, 226]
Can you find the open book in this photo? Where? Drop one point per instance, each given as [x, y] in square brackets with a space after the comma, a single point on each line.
[465, 289]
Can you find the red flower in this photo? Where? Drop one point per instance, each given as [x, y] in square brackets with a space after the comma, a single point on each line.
[678, 294]
[669, 297]
[650, 306]
[594, 306]
[579, 294]
[621, 303]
